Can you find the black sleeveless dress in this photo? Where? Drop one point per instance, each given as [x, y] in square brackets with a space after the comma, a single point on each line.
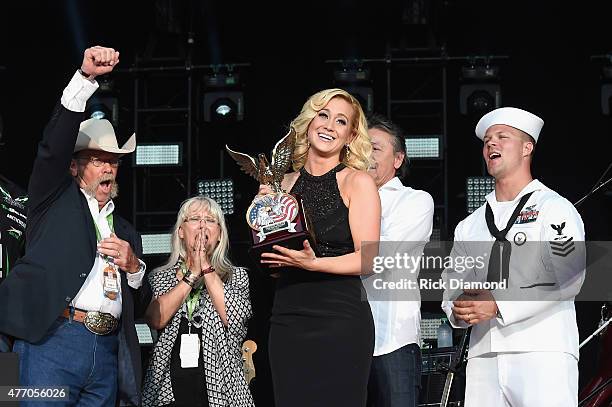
[321, 330]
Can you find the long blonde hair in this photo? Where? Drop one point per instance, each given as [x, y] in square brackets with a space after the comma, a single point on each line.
[360, 146]
[219, 259]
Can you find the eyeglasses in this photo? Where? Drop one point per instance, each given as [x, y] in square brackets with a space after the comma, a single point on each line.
[98, 162]
[196, 220]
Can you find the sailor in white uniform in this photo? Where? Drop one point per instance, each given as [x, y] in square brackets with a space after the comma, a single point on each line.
[523, 349]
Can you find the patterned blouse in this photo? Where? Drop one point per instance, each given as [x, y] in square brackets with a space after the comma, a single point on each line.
[221, 346]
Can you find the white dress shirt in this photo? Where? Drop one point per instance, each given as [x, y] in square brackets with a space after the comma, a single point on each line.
[407, 219]
[91, 295]
[77, 92]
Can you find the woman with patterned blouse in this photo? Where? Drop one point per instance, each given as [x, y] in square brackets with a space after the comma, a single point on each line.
[200, 307]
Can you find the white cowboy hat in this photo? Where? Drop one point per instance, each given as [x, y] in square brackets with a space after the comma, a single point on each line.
[98, 134]
[513, 117]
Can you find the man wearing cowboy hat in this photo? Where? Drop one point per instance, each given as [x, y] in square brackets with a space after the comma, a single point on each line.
[78, 283]
[523, 348]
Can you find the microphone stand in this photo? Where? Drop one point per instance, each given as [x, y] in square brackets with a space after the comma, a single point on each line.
[601, 328]
[595, 188]
[591, 192]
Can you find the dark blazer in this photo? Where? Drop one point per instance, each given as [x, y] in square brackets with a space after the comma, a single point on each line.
[60, 252]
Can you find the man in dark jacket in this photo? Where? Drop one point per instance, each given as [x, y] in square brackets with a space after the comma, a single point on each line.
[70, 300]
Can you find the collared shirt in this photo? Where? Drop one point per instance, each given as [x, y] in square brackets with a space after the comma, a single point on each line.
[407, 219]
[91, 295]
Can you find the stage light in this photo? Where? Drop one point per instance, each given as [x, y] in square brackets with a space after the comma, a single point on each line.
[104, 104]
[429, 326]
[223, 106]
[98, 113]
[476, 190]
[223, 101]
[145, 335]
[221, 190]
[158, 155]
[479, 92]
[103, 108]
[156, 243]
[424, 147]
[355, 79]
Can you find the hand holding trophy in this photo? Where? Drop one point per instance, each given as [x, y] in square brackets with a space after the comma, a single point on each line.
[277, 218]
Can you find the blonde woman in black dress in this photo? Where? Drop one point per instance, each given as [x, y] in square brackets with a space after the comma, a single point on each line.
[321, 329]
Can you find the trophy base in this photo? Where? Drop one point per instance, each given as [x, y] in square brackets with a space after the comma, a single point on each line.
[289, 233]
[293, 241]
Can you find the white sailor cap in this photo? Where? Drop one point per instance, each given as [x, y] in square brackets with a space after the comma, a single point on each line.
[510, 116]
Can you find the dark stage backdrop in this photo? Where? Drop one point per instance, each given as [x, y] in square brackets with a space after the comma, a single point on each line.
[549, 72]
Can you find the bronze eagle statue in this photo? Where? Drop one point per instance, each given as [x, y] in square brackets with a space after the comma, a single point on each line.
[261, 169]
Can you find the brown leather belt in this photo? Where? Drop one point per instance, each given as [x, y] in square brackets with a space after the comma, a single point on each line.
[78, 316]
[96, 322]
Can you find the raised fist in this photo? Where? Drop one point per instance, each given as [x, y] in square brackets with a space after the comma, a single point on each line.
[99, 61]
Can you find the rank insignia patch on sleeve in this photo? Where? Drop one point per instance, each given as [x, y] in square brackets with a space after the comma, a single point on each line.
[562, 245]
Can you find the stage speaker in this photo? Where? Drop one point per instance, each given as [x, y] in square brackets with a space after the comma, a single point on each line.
[433, 378]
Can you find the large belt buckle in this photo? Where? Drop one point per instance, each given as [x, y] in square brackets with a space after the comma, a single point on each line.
[100, 323]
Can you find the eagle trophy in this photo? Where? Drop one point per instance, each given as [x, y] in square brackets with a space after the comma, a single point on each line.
[262, 170]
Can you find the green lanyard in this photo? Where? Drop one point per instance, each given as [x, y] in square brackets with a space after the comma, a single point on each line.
[109, 219]
[194, 296]
[192, 300]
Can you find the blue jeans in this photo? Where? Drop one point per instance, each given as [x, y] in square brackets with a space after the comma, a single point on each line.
[69, 355]
[395, 378]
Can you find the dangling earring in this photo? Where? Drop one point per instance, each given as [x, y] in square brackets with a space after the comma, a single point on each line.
[348, 151]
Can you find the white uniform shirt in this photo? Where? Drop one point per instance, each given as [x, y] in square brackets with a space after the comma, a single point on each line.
[527, 324]
[91, 295]
[406, 217]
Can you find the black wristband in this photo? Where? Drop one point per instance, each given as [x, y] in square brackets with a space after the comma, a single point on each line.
[84, 75]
